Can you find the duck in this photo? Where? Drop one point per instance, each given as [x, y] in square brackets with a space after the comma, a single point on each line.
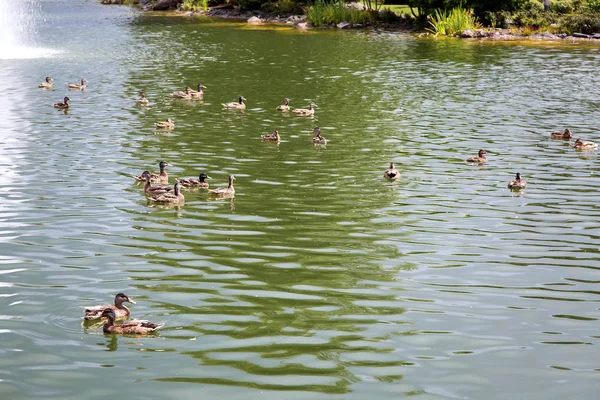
[198, 94]
[228, 191]
[566, 134]
[187, 95]
[518, 183]
[581, 145]
[391, 173]
[285, 106]
[131, 327]
[64, 105]
[167, 124]
[78, 86]
[306, 111]
[239, 105]
[158, 189]
[175, 197]
[161, 177]
[196, 183]
[143, 101]
[318, 139]
[47, 84]
[272, 137]
[481, 158]
[121, 311]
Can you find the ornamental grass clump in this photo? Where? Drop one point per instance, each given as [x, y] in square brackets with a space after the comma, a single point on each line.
[322, 13]
[453, 22]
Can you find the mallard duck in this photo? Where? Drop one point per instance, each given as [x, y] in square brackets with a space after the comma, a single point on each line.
[228, 191]
[391, 172]
[198, 94]
[168, 124]
[581, 145]
[518, 183]
[561, 135]
[143, 101]
[239, 105]
[153, 190]
[63, 105]
[78, 86]
[187, 95]
[47, 84]
[272, 137]
[175, 197]
[198, 183]
[481, 159]
[285, 106]
[161, 177]
[131, 327]
[120, 310]
[306, 111]
[318, 139]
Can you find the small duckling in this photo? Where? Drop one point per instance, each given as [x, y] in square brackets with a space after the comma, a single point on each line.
[154, 190]
[481, 158]
[518, 183]
[187, 95]
[272, 137]
[47, 84]
[285, 106]
[318, 139]
[562, 135]
[168, 124]
[121, 311]
[78, 86]
[131, 327]
[581, 145]
[198, 94]
[64, 105]
[239, 105]
[170, 198]
[306, 111]
[391, 173]
[143, 101]
[228, 191]
[195, 183]
[162, 177]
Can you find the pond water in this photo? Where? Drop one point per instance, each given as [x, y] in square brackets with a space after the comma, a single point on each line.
[319, 279]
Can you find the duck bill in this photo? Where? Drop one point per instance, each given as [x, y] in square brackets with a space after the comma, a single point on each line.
[129, 299]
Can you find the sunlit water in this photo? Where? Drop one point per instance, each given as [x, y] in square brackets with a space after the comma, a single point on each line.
[319, 279]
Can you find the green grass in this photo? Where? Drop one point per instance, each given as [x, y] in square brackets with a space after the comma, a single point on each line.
[453, 22]
[395, 8]
[194, 5]
[321, 13]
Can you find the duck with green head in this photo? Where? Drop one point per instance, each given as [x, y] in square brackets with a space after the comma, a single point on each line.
[161, 177]
[195, 183]
[198, 94]
[239, 105]
[174, 197]
[131, 327]
[121, 311]
[47, 84]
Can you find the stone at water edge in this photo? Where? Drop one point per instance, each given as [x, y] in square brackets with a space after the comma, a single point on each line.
[343, 25]
[301, 26]
[467, 33]
[255, 21]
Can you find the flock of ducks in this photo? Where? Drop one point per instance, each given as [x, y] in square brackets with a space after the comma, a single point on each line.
[159, 191]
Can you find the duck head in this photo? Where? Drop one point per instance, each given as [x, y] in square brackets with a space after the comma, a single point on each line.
[242, 99]
[567, 134]
[120, 298]
[578, 142]
[200, 87]
[202, 177]
[518, 176]
[317, 131]
[482, 152]
[66, 100]
[163, 164]
[391, 165]
[48, 79]
[286, 101]
[109, 313]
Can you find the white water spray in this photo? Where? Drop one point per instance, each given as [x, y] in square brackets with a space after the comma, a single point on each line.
[18, 21]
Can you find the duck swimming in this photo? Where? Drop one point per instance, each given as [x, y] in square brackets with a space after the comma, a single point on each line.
[143, 101]
[272, 137]
[95, 312]
[168, 124]
[161, 177]
[391, 172]
[195, 183]
[561, 135]
[518, 183]
[198, 94]
[318, 139]
[78, 86]
[153, 190]
[64, 105]
[175, 197]
[306, 111]
[581, 145]
[481, 158]
[228, 191]
[131, 327]
[285, 106]
[47, 84]
[187, 95]
[239, 105]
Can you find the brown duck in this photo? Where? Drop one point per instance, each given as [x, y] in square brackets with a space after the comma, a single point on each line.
[121, 311]
[161, 177]
[131, 327]
[481, 158]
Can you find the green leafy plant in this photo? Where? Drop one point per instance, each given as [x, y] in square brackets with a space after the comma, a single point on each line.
[194, 5]
[449, 23]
